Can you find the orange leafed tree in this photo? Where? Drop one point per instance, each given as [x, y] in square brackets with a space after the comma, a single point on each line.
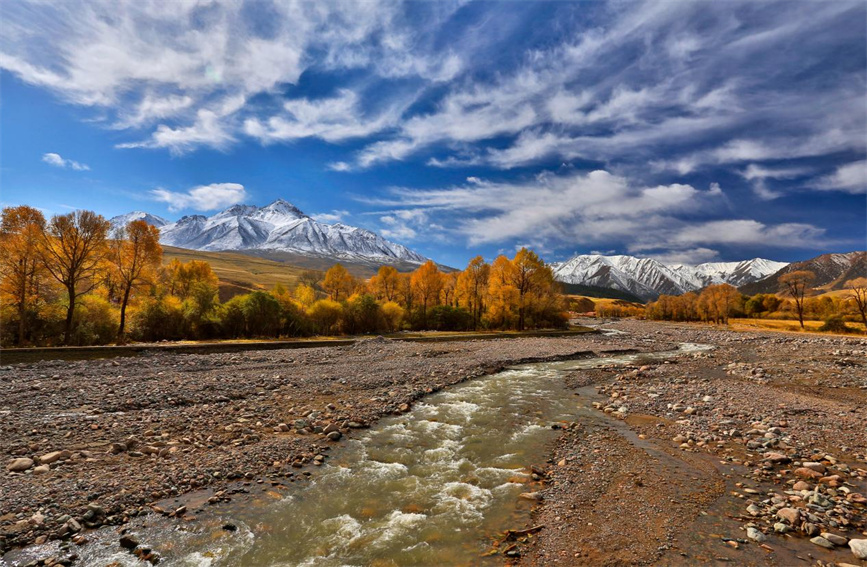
[338, 283]
[71, 249]
[427, 283]
[503, 296]
[20, 267]
[384, 285]
[472, 286]
[135, 254]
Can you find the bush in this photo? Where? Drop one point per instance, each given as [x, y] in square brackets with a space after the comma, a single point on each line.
[159, 319]
[96, 321]
[324, 315]
[835, 324]
[261, 314]
[392, 315]
[448, 318]
[362, 314]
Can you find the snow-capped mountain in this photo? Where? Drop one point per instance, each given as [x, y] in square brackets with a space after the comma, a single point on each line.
[123, 220]
[648, 278]
[281, 227]
[832, 272]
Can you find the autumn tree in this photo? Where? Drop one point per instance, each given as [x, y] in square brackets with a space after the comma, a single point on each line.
[71, 247]
[20, 266]
[449, 291]
[184, 278]
[796, 284]
[385, 283]
[427, 283]
[858, 293]
[528, 278]
[472, 285]
[135, 254]
[501, 293]
[338, 283]
[718, 301]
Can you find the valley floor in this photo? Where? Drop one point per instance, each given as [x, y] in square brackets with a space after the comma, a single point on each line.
[687, 462]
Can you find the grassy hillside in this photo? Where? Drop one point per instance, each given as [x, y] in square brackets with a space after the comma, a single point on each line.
[239, 273]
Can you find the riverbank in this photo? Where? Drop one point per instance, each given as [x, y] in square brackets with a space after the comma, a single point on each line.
[745, 455]
[100, 440]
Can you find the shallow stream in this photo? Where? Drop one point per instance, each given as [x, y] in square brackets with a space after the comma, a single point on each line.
[436, 486]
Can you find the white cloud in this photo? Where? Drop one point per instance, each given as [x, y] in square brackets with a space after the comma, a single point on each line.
[203, 197]
[849, 178]
[57, 161]
[332, 217]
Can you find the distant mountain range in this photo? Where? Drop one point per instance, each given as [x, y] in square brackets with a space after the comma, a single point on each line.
[278, 228]
[832, 272]
[647, 278]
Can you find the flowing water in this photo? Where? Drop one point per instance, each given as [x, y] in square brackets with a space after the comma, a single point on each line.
[435, 486]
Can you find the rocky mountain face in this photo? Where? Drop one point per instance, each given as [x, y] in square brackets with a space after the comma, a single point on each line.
[832, 272]
[648, 278]
[123, 220]
[278, 227]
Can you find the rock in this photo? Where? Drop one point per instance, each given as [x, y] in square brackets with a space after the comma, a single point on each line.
[117, 448]
[859, 548]
[42, 469]
[754, 510]
[128, 542]
[335, 436]
[813, 466]
[331, 427]
[777, 458]
[756, 535]
[19, 465]
[801, 485]
[835, 539]
[54, 456]
[791, 515]
[534, 496]
[781, 528]
[806, 473]
[822, 542]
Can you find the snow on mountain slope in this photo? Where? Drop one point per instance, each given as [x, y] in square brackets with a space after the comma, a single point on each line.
[648, 278]
[123, 220]
[282, 227]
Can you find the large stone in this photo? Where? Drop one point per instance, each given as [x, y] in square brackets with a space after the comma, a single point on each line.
[777, 458]
[813, 466]
[822, 542]
[859, 548]
[806, 473]
[19, 465]
[128, 542]
[756, 535]
[835, 539]
[54, 456]
[791, 515]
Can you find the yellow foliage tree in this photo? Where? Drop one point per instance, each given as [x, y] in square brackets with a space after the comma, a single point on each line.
[135, 254]
[71, 249]
[20, 268]
[427, 283]
[796, 285]
[338, 283]
[472, 286]
[384, 285]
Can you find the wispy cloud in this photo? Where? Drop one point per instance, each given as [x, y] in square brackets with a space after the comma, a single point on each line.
[203, 197]
[849, 178]
[57, 161]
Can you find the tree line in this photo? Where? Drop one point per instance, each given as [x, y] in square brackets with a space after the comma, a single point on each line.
[73, 280]
[718, 303]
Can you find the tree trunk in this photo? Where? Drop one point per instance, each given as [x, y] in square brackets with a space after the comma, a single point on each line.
[801, 315]
[70, 311]
[123, 314]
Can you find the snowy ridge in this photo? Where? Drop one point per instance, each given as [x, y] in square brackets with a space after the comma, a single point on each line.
[648, 278]
[282, 227]
[123, 220]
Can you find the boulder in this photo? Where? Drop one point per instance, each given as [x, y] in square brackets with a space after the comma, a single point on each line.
[859, 548]
[19, 465]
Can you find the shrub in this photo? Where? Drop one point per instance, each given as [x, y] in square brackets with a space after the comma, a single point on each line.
[448, 318]
[835, 324]
[392, 315]
[324, 315]
[362, 314]
[261, 314]
[159, 319]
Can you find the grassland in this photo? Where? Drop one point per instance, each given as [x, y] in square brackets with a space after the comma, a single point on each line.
[784, 325]
[239, 273]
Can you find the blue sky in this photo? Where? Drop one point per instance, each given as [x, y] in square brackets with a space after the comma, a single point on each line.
[685, 131]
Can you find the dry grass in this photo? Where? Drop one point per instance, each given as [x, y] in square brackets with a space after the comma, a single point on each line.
[784, 326]
[239, 273]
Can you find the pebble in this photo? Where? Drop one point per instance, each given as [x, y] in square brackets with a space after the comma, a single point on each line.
[19, 465]
[859, 548]
[822, 542]
[756, 535]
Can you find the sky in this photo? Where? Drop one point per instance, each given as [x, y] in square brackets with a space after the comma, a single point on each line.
[687, 131]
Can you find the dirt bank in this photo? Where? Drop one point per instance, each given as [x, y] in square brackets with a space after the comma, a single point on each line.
[752, 454]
